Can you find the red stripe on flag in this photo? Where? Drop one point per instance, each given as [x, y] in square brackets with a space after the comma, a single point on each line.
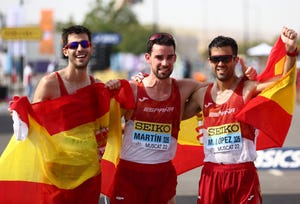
[188, 157]
[124, 95]
[275, 123]
[87, 105]
[40, 193]
[108, 173]
[278, 52]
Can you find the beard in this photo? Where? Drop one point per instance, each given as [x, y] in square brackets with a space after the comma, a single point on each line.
[223, 76]
[81, 64]
[162, 74]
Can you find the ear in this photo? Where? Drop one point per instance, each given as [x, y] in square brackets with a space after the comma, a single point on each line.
[65, 52]
[237, 59]
[147, 56]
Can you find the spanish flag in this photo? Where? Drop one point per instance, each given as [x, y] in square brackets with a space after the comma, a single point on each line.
[272, 110]
[189, 153]
[111, 155]
[56, 158]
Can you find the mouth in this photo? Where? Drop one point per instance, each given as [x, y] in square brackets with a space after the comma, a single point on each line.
[163, 69]
[221, 70]
[81, 56]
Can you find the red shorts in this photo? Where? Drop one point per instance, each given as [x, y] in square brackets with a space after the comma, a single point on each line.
[144, 183]
[229, 184]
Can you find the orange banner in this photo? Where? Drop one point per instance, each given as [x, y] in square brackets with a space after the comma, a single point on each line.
[47, 25]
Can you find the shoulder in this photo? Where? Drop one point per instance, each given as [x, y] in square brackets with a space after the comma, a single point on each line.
[49, 79]
[47, 88]
[250, 89]
[186, 82]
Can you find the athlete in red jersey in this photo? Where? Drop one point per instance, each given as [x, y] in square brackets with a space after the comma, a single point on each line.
[229, 175]
[145, 173]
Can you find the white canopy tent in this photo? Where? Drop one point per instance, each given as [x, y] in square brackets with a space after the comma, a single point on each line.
[262, 49]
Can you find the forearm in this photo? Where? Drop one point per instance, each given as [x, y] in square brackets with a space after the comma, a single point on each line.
[290, 60]
[289, 38]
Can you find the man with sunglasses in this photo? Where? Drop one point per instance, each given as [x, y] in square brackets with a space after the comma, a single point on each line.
[68, 131]
[229, 175]
[77, 49]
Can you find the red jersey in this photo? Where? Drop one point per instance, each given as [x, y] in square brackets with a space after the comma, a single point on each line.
[151, 134]
[227, 140]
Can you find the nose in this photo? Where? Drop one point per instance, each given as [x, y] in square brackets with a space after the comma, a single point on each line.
[165, 62]
[79, 47]
[221, 63]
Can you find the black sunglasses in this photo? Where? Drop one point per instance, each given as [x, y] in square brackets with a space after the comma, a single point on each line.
[74, 45]
[160, 35]
[221, 58]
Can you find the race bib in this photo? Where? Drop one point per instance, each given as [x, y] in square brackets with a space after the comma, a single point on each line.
[155, 136]
[224, 138]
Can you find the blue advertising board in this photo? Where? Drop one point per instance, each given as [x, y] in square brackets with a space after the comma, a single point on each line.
[106, 38]
[279, 158]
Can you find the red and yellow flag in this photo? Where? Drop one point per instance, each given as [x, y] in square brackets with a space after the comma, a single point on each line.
[272, 110]
[58, 161]
[111, 155]
[189, 153]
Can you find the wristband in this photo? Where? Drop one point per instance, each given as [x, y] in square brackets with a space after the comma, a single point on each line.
[292, 54]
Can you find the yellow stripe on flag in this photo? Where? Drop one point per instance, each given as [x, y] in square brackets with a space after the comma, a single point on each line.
[278, 69]
[284, 85]
[188, 134]
[114, 140]
[65, 160]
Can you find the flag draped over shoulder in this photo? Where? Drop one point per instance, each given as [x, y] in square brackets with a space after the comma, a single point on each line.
[60, 153]
[271, 111]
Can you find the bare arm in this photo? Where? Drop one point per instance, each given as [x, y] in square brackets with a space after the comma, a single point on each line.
[194, 104]
[46, 89]
[289, 37]
[189, 86]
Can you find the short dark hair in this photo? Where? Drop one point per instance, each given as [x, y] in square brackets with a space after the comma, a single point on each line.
[222, 41]
[77, 29]
[160, 39]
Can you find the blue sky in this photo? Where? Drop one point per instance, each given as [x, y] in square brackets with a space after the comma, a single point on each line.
[259, 17]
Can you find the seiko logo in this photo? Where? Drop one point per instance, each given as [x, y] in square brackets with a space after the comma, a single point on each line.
[153, 127]
[225, 129]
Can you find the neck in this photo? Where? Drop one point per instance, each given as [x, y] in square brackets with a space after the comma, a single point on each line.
[158, 89]
[153, 82]
[76, 75]
[229, 84]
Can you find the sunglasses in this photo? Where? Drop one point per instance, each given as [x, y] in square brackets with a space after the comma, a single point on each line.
[221, 58]
[74, 45]
[160, 35]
